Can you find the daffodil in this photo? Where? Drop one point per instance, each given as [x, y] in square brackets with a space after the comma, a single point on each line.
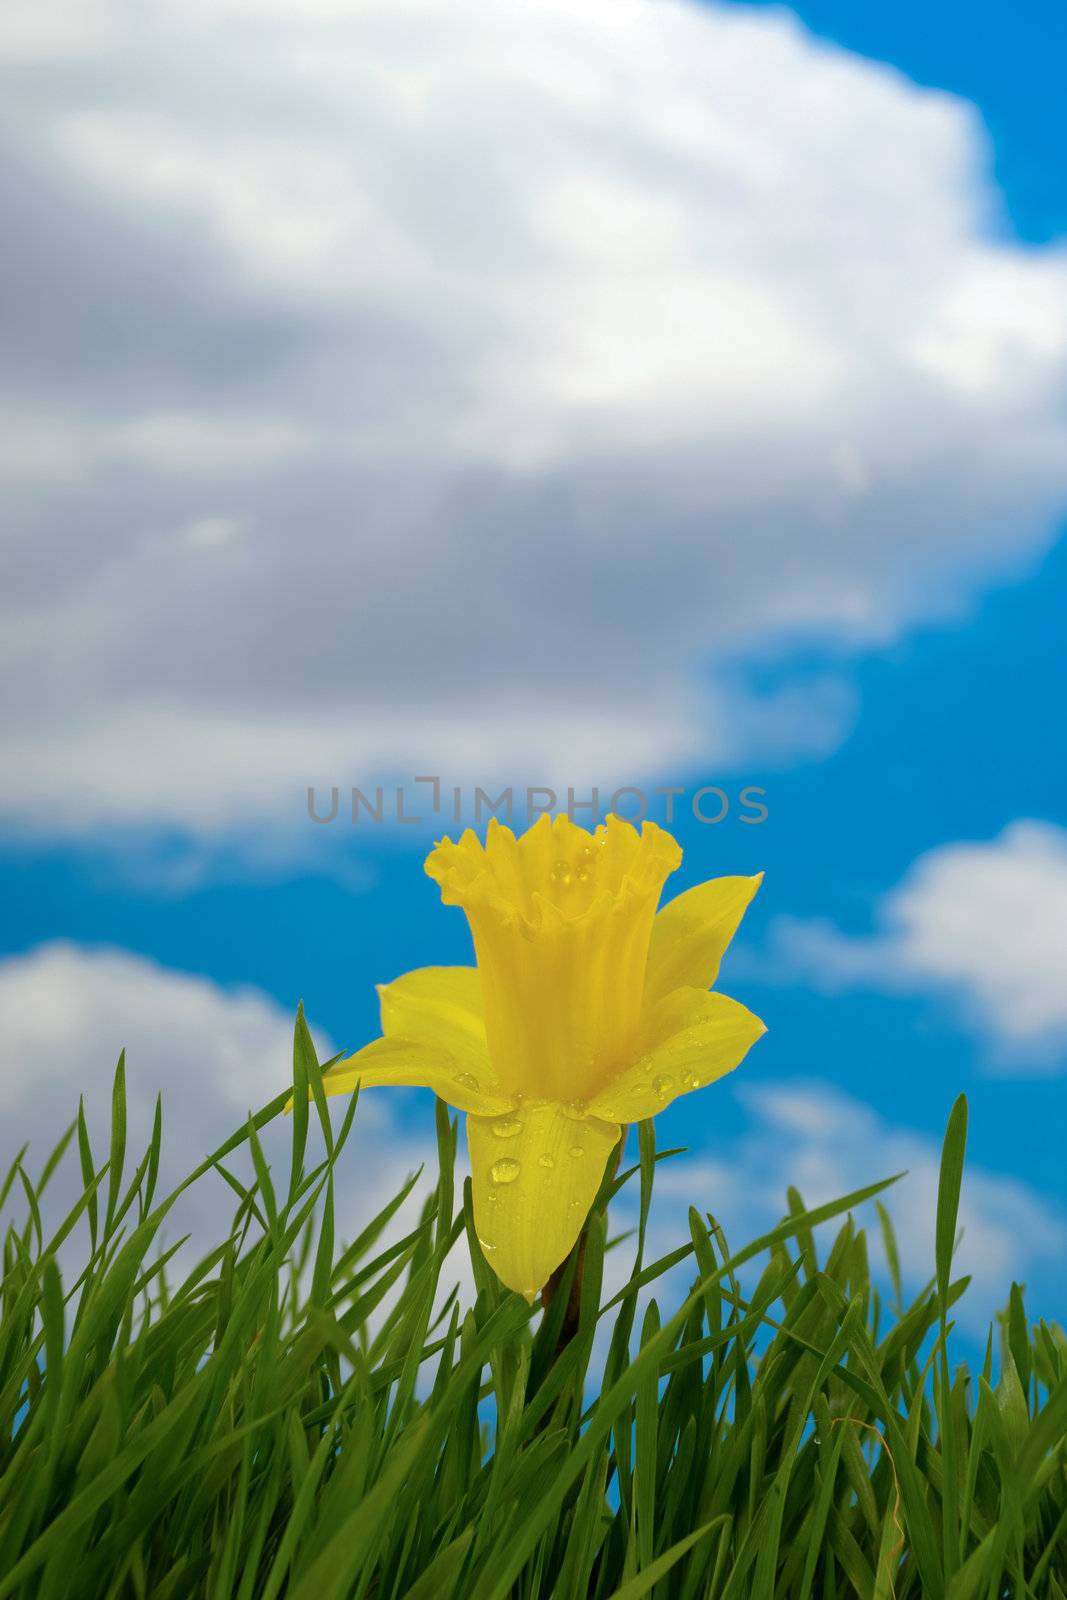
[587, 1010]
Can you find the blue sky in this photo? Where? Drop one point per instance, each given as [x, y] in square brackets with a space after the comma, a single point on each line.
[890, 670]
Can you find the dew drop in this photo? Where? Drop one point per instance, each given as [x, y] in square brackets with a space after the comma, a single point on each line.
[506, 1127]
[486, 1245]
[662, 1083]
[468, 1080]
[582, 874]
[691, 1080]
[546, 1161]
[577, 1149]
[561, 873]
[506, 1170]
[576, 1109]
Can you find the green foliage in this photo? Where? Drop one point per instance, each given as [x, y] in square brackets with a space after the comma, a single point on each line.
[305, 1419]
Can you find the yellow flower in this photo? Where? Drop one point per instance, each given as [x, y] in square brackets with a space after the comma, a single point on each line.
[587, 1010]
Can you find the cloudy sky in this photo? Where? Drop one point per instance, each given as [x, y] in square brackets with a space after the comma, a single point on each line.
[571, 393]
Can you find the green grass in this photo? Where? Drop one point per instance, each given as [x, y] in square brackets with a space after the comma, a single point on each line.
[303, 1417]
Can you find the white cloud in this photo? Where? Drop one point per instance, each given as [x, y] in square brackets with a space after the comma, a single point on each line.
[531, 347]
[984, 923]
[33, 32]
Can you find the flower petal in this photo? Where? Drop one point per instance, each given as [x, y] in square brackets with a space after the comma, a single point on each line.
[414, 1063]
[691, 933]
[535, 1173]
[691, 1038]
[439, 1005]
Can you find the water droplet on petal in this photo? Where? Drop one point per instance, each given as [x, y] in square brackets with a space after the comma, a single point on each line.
[663, 1083]
[561, 873]
[546, 1161]
[506, 1170]
[691, 1080]
[506, 1127]
[582, 874]
[576, 1109]
[577, 1149]
[468, 1080]
[486, 1245]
